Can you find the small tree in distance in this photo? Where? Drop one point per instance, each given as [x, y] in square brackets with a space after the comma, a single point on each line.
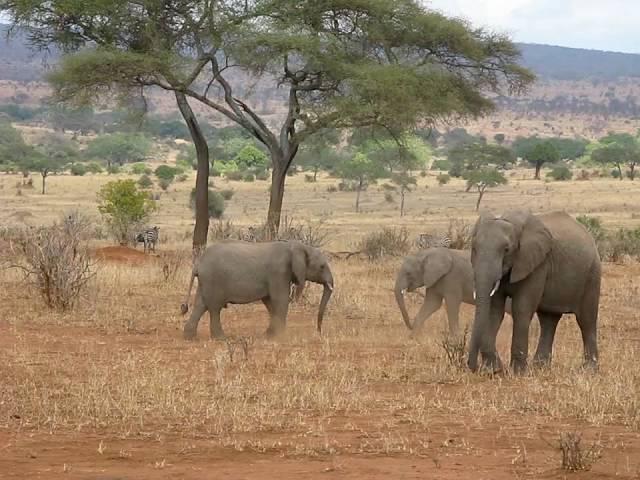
[124, 208]
[361, 170]
[483, 178]
[405, 183]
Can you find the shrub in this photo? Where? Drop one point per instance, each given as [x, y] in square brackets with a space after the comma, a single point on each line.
[222, 230]
[216, 203]
[292, 172]
[145, 181]
[94, 167]
[332, 189]
[248, 177]
[388, 197]
[262, 175]
[182, 178]
[227, 194]
[138, 168]
[309, 178]
[560, 173]
[388, 241]
[56, 260]
[314, 234]
[441, 164]
[164, 184]
[125, 208]
[234, 175]
[215, 171]
[623, 242]
[166, 172]
[78, 169]
[443, 179]
[574, 456]
[113, 169]
[615, 173]
[584, 175]
[460, 233]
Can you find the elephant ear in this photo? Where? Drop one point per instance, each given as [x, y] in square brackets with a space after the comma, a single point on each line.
[299, 263]
[535, 245]
[436, 265]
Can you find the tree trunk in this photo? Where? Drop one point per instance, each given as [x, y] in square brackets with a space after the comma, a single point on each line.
[619, 171]
[632, 171]
[201, 228]
[480, 194]
[44, 179]
[401, 202]
[315, 174]
[538, 168]
[359, 187]
[278, 177]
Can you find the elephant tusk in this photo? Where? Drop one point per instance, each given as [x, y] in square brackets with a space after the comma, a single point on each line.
[403, 291]
[474, 293]
[330, 287]
[495, 287]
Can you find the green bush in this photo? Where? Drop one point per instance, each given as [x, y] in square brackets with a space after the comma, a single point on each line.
[309, 178]
[388, 197]
[234, 175]
[139, 168]
[441, 164]
[215, 171]
[216, 203]
[145, 181]
[443, 178]
[164, 184]
[113, 169]
[94, 167]
[227, 194]
[615, 173]
[560, 173]
[593, 226]
[248, 177]
[125, 208]
[167, 172]
[182, 178]
[292, 172]
[78, 169]
[332, 189]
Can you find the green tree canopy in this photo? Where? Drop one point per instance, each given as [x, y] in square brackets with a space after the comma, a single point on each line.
[361, 170]
[119, 148]
[619, 149]
[474, 156]
[320, 152]
[251, 157]
[339, 64]
[13, 149]
[537, 152]
[483, 178]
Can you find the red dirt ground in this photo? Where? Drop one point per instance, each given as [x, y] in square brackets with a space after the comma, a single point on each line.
[120, 254]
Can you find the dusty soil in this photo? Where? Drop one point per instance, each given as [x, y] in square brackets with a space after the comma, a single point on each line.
[120, 254]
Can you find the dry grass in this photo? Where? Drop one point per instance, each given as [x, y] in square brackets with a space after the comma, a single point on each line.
[117, 364]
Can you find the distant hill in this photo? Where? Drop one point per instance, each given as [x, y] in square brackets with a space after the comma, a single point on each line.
[562, 63]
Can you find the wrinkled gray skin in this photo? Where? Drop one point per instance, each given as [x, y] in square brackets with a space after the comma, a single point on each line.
[236, 272]
[447, 275]
[549, 265]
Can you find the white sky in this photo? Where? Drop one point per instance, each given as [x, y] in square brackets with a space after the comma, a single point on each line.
[595, 24]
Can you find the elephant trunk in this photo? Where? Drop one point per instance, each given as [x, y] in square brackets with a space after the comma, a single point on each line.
[326, 295]
[399, 290]
[487, 282]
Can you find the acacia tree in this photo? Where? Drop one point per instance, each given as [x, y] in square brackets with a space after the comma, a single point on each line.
[405, 183]
[361, 169]
[619, 149]
[483, 178]
[475, 156]
[340, 64]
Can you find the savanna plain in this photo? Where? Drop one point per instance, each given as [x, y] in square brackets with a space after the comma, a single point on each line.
[110, 390]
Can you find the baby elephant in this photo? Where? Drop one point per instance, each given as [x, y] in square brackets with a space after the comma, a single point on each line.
[447, 274]
[236, 272]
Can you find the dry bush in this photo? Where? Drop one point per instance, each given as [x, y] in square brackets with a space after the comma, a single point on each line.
[574, 456]
[388, 241]
[459, 232]
[454, 349]
[310, 233]
[222, 230]
[172, 262]
[56, 260]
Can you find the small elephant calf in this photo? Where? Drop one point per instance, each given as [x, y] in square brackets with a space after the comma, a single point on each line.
[237, 272]
[447, 274]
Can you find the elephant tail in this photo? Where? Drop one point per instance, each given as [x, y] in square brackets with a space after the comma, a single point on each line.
[184, 307]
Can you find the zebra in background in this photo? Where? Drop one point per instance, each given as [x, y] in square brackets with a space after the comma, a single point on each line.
[149, 237]
[427, 240]
[250, 235]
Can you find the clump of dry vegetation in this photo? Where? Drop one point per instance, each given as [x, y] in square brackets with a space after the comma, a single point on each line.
[386, 242]
[56, 259]
[575, 457]
[459, 232]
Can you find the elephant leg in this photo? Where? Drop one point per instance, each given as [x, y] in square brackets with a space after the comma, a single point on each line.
[490, 359]
[191, 326]
[267, 303]
[215, 326]
[431, 304]
[522, 313]
[278, 314]
[548, 325]
[453, 314]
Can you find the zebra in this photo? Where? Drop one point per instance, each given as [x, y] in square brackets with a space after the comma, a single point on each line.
[149, 237]
[250, 235]
[427, 240]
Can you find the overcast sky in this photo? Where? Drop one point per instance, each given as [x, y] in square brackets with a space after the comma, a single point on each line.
[596, 24]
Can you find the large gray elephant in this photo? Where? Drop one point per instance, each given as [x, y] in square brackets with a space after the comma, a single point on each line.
[236, 272]
[446, 274]
[548, 264]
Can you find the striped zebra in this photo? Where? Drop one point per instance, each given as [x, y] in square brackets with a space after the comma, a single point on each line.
[427, 240]
[250, 235]
[149, 237]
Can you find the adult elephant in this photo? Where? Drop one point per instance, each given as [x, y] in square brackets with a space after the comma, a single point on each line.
[446, 274]
[548, 264]
[236, 272]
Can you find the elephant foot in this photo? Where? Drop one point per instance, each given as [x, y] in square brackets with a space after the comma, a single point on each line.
[273, 333]
[491, 364]
[519, 368]
[590, 366]
[189, 334]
